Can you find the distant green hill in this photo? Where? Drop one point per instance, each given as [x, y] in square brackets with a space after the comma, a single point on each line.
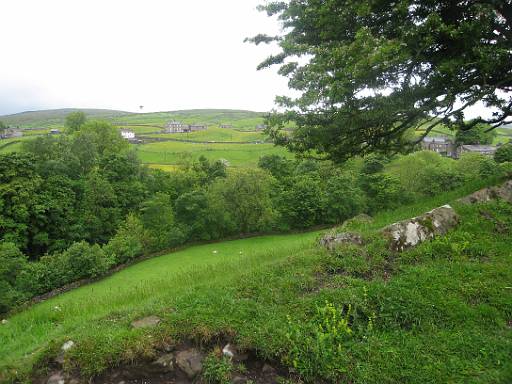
[55, 117]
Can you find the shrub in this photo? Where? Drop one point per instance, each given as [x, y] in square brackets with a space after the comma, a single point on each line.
[161, 230]
[12, 262]
[217, 370]
[84, 260]
[473, 166]
[316, 348]
[127, 243]
[504, 153]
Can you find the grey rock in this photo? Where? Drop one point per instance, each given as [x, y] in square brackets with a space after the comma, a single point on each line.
[190, 362]
[56, 378]
[166, 362]
[332, 240]
[268, 370]
[239, 380]
[503, 192]
[146, 322]
[409, 233]
[68, 345]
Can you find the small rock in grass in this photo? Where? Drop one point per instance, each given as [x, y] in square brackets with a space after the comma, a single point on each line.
[56, 378]
[190, 362]
[4, 321]
[268, 370]
[166, 362]
[239, 380]
[228, 351]
[146, 322]
[68, 345]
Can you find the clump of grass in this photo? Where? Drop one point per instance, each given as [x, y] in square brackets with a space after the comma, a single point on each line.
[217, 370]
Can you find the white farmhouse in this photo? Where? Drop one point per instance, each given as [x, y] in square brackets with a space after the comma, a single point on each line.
[128, 135]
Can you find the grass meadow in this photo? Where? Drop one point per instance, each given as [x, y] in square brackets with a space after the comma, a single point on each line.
[176, 153]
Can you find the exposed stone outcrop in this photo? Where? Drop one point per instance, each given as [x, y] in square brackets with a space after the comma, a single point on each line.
[409, 233]
[503, 192]
[166, 362]
[190, 361]
[146, 322]
[332, 239]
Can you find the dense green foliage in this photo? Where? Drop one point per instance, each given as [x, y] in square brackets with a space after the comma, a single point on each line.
[80, 203]
[479, 134]
[366, 72]
[504, 153]
[75, 120]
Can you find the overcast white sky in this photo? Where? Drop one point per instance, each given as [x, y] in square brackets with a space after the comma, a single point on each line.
[119, 54]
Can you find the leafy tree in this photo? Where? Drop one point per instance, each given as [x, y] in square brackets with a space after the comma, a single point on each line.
[303, 202]
[503, 153]
[84, 260]
[104, 137]
[101, 212]
[192, 211]
[12, 262]
[157, 216]
[479, 134]
[209, 171]
[366, 72]
[243, 201]
[278, 166]
[344, 199]
[128, 242]
[74, 121]
[383, 191]
[19, 185]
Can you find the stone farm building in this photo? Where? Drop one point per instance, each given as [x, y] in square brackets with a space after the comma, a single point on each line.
[441, 145]
[447, 147]
[226, 126]
[178, 127]
[488, 150]
[261, 127]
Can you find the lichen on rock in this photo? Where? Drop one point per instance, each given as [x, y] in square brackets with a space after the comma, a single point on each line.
[409, 233]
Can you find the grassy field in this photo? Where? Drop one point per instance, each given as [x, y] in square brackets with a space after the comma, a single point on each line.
[175, 153]
[216, 134]
[440, 313]
[150, 283]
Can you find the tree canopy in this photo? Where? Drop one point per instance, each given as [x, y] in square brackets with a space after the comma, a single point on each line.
[366, 72]
[479, 134]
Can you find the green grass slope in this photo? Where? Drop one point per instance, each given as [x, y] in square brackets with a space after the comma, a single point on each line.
[55, 117]
[436, 314]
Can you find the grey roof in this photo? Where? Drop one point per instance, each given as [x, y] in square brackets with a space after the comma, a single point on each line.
[437, 139]
[479, 148]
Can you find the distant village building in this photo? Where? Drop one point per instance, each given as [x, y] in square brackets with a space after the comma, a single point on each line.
[488, 150]
[226, 126]
[261, 127]
[446, 147]
[441, 145]
[11, 133]
[54, 131]
[175, 127]
[127, 134]
[198, 127]
[178, 127]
